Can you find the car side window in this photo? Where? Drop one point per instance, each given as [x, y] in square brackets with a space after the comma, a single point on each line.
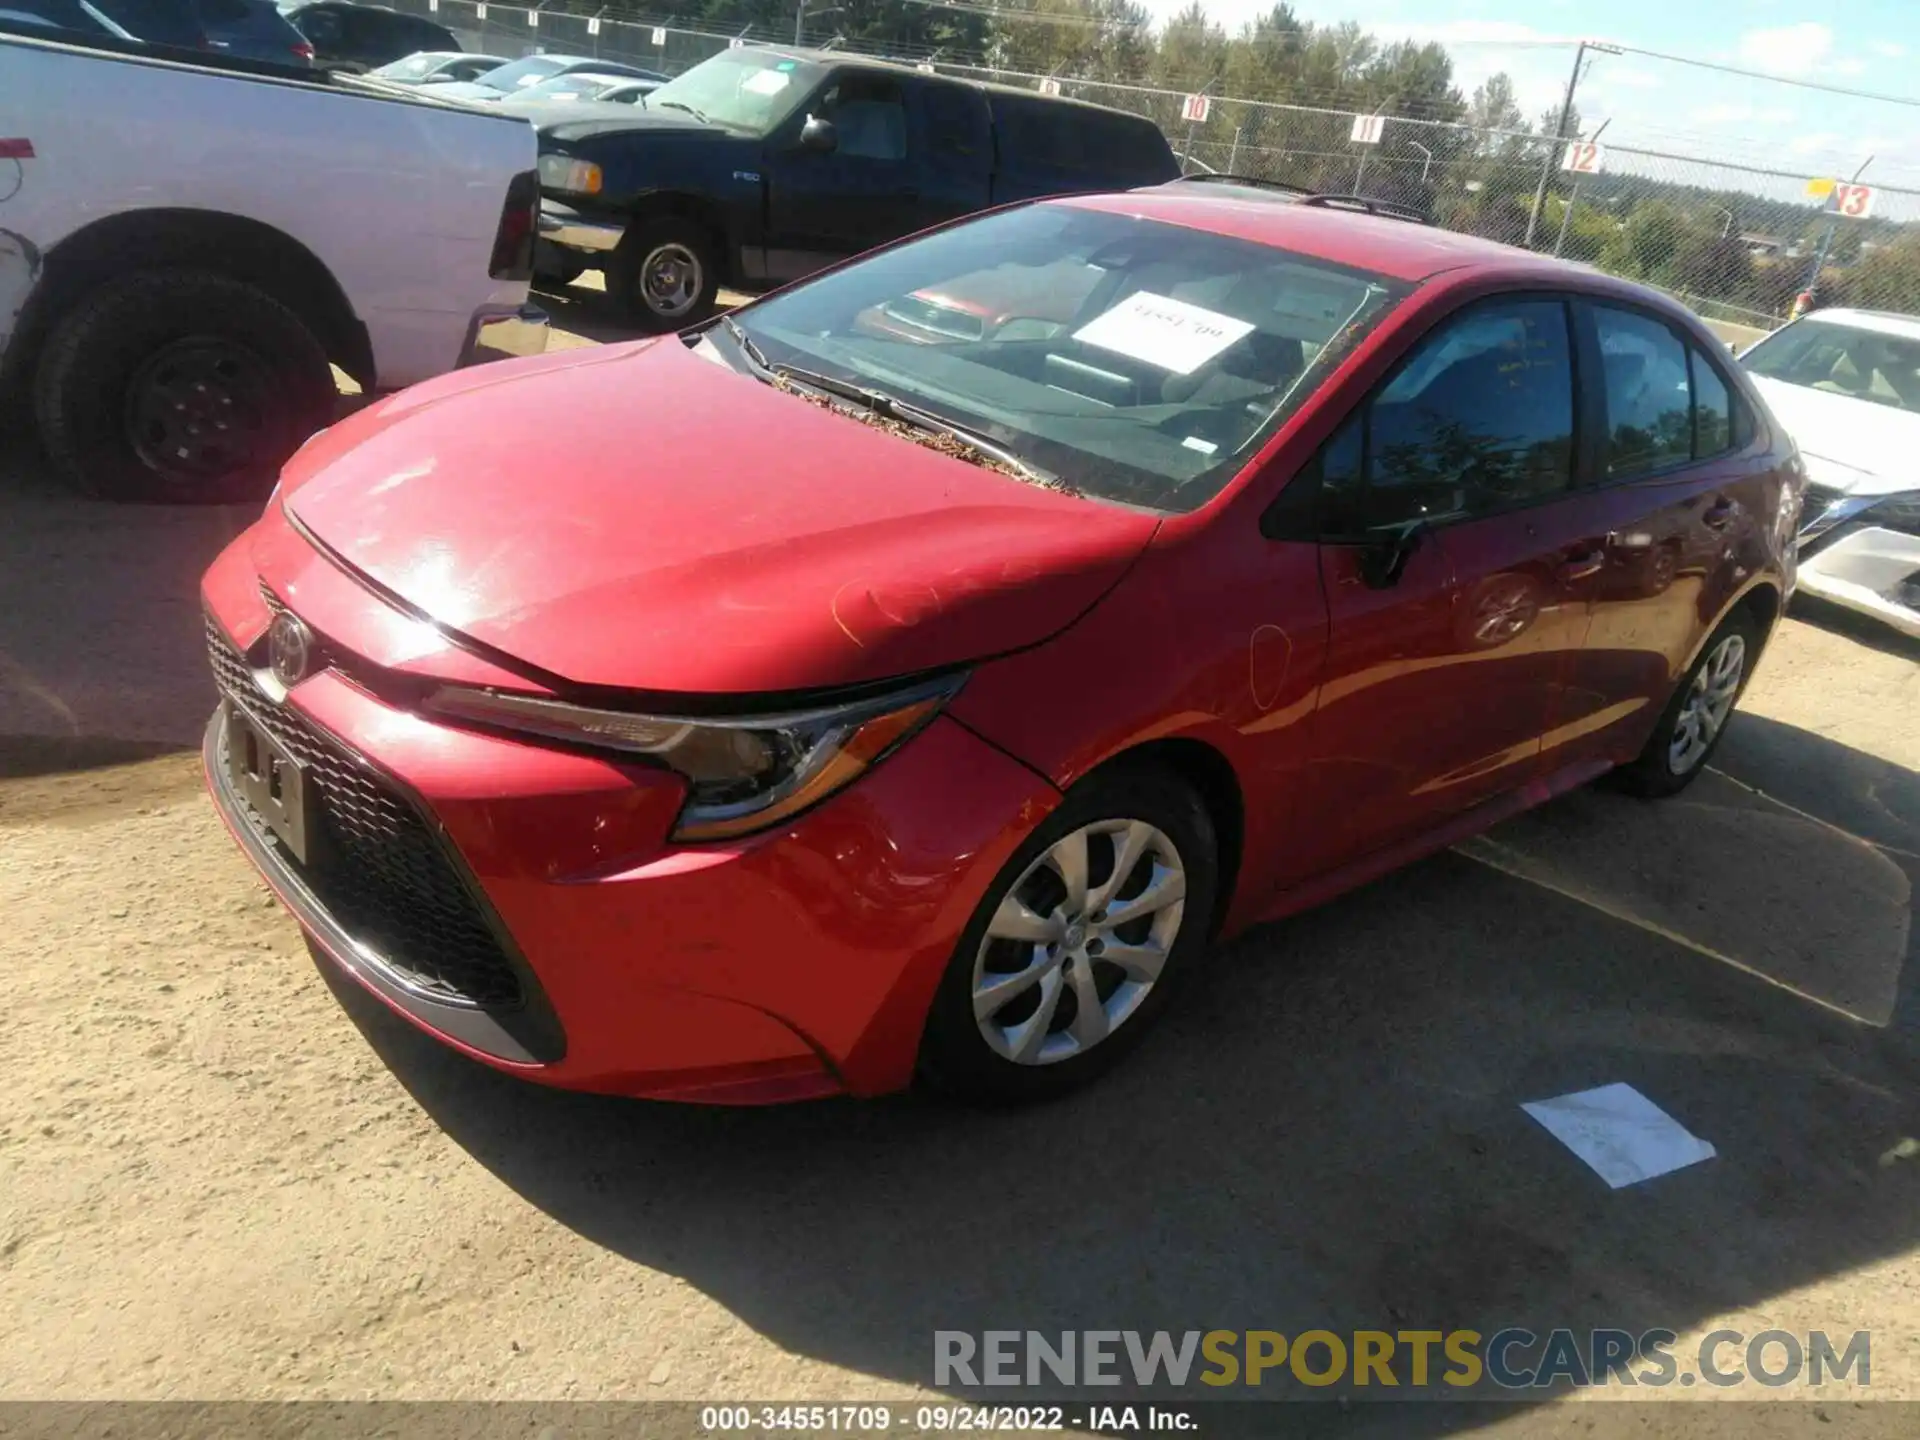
[1648, 392]
[956, 122]
[869, 113]
[1477, 420]
[1712, 409]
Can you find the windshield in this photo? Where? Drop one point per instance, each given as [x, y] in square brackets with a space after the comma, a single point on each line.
[411, 68]
[1842, 360]
[530, 71]
[1137, 361]
[749, 90]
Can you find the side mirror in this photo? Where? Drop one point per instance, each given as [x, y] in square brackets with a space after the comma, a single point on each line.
[818, 135]
[1382, 560]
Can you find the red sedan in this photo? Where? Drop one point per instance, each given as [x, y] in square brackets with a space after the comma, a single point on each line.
[835, 695]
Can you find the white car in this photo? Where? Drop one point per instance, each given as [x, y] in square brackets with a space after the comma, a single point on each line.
[1846, 385]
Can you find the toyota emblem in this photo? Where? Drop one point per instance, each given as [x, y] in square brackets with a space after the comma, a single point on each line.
[289, 648]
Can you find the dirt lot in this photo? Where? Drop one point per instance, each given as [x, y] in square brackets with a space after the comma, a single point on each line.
[224, 1175]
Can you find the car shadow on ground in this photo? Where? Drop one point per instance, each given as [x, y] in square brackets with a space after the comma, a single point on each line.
[1327, 1132]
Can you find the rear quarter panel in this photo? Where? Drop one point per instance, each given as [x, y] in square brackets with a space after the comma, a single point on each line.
[400, 200]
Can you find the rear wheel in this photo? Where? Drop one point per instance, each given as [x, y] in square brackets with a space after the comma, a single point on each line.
[1696, 718]
[179, 386]
[1079, 943]
[664, 275]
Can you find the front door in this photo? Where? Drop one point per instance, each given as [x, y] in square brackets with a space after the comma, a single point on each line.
[824, 205]
[1444, 653]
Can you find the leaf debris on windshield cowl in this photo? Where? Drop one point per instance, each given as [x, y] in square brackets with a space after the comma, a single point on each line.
[938, 441]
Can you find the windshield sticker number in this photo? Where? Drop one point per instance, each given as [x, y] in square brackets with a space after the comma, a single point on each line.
[766, 82]
[1162, 331]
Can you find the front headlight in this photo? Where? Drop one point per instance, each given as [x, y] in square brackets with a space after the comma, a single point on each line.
[575, 177]
[742, 774]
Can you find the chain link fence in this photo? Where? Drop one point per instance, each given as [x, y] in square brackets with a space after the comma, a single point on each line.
[1736, 242]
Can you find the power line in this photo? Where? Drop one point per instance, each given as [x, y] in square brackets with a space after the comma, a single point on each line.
[1906, 100]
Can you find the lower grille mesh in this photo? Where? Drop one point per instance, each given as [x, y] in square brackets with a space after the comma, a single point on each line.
[378, 869]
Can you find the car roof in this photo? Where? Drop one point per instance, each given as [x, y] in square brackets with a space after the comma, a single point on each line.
[867, 62]
[1884, 322]
[1398, 249]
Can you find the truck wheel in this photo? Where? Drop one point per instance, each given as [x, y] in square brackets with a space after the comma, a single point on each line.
[665, 275]
[179, 386]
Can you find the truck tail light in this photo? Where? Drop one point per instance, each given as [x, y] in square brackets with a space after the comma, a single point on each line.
[303, 51]
[513, 241]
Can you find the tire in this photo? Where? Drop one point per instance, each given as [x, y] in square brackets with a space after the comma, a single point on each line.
[1666, 767]
[956, 1056]
[640, 286]
[103, 392]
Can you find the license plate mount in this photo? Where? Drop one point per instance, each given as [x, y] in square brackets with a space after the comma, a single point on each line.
[275, 786]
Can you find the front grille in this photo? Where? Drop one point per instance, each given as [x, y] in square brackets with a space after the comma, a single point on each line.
[378, 868]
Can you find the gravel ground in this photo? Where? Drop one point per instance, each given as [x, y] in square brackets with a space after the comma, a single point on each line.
[223, 1175]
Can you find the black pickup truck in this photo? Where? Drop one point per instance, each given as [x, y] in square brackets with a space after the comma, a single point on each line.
[758, 166]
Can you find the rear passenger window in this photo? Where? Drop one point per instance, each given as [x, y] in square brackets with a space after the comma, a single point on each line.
[1712, 409]
[1038, 133]
[956, 123]
[1649, 396]
[1478, 419]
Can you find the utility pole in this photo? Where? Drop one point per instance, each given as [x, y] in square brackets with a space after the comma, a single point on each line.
[1560, 132]
[1812, 287]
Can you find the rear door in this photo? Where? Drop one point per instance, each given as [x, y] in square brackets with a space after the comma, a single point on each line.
[1676, 486]
[1444, 654]
[955, 139]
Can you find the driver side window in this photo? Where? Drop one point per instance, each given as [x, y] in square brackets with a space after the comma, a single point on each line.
[1478, 419]
[869, 114]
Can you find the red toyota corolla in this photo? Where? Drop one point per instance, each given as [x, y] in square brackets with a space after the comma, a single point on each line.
[912, 673]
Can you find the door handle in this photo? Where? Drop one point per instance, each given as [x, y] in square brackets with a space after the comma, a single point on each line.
[1582, 567]
[1718, 515]
[1629, 540]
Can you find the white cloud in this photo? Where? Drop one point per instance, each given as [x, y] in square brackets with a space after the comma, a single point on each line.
[1746, 116]
[1887, 49]
[1786, 49]
[1628, 78]
[1848, 66]
[1816, 143]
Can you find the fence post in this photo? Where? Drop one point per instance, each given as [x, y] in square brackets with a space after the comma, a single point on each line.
[1233, 156]
[1812, 287]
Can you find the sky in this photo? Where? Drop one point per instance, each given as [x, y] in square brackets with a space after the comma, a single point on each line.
[1871, 45]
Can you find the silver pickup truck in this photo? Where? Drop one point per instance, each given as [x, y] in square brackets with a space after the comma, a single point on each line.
[188, 250]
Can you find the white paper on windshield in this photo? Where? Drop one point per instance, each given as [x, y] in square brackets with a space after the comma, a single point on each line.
[765, 82]
[1620, 1133]
[1163, 331]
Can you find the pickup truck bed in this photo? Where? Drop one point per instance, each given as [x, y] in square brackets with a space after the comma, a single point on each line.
[235, 227]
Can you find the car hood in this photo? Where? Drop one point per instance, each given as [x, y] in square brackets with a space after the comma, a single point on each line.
[1854, 446]
[638, 119]
[641, 516]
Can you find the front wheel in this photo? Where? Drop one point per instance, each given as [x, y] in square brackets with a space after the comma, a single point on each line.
[665, 275]
[1696, 718]
[1078, 944]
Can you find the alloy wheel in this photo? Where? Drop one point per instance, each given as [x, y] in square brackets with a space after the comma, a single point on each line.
[1710, 695]
[1078, 941]
[671, 279]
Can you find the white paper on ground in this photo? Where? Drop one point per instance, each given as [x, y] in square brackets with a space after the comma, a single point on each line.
[1163, 331]
[1624, 1136]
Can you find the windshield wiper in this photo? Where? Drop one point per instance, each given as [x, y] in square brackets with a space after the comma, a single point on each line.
[886, 407]
[678, 105]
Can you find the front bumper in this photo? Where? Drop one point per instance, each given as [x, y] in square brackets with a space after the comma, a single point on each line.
[506, 334]
[566, 227]
[791, 964]
[1869, 569]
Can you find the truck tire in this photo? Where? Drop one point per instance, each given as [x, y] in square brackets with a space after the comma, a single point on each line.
[179, 386]
[665, 275]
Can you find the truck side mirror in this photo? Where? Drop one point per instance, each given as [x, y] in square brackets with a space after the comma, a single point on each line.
[818, 135]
